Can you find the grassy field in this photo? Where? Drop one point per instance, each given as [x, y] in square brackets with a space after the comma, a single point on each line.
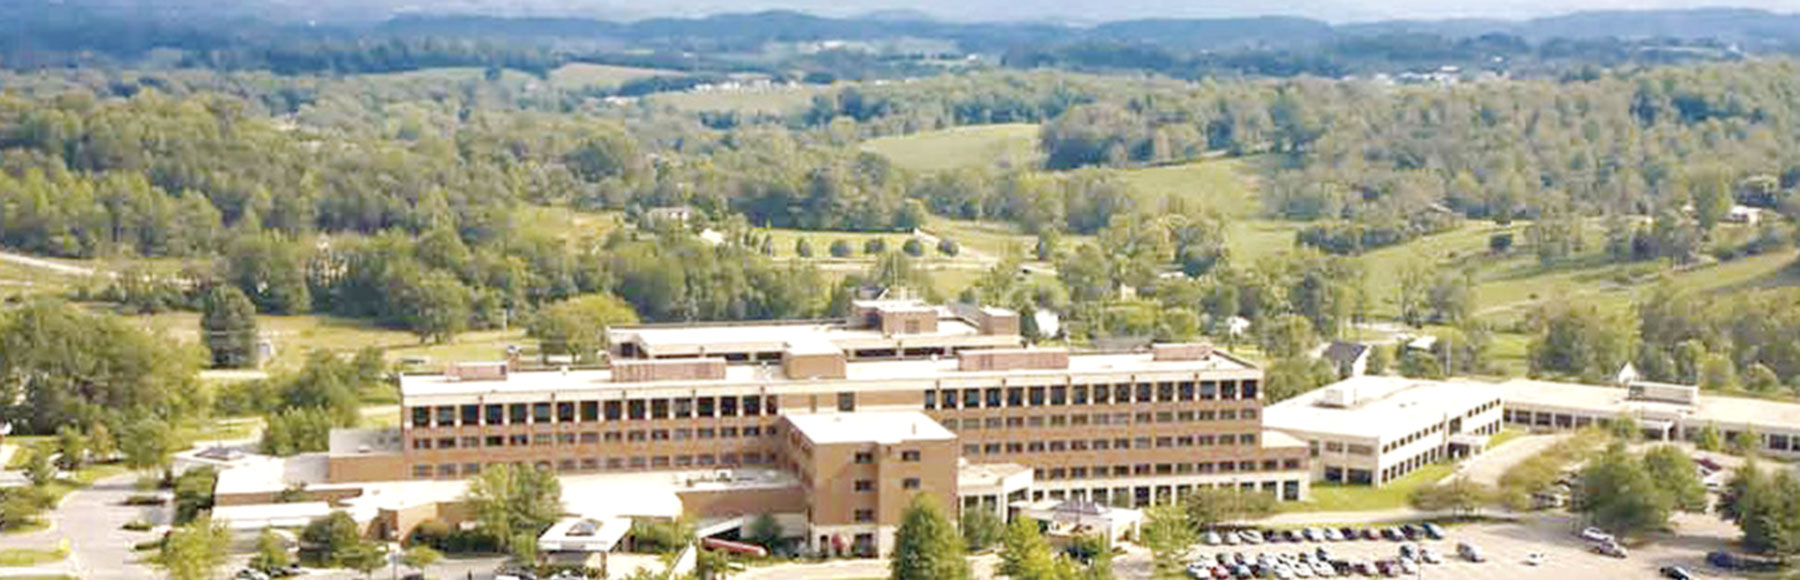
[296, 336]
[774, 101]
[1352, 498]
[1227, 187]
[26, 557]
[571, 224]
[1011, 145]
[582, 74]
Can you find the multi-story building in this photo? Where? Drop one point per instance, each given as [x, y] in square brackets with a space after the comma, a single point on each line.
[899, 399]
[1375, 429]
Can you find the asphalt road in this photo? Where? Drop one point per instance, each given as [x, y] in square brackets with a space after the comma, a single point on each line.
[92, 519]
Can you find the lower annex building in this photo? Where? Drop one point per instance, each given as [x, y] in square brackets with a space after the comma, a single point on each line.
[832, 426]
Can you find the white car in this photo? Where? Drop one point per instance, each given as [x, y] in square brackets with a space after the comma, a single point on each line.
[1430, 556]
[1313, 534]
[1212, 538]
[1232, 539]
[1332, 535]
[1323, 570]
[1596, 535]
[1252, 536]
[1407, 567]
[1303, 571]
[1534, 559]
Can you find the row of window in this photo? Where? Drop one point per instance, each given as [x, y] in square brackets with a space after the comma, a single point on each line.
[1120, 443]
[1147, 469]
[597, 464]
[1119, 394]
[868, 485]
[1099, 419]
[593, 411]
[595, 437]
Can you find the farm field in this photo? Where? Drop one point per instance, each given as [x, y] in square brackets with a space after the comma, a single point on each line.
[297, 336]
[581, 74]
[773, 101]
[1013, 145]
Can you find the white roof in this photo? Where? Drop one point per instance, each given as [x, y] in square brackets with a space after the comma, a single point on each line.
[773, 336]
[1387, 407]
[759, 375]
[273, 515]
[1724, 411]
[584, 535]
[869, 427]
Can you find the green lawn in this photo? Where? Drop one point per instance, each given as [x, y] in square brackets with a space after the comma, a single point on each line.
[25, 557]
[1227, 186]
[774, 101]
[1327, 497]
[582, 74]
[1012, 145]
[994, 238]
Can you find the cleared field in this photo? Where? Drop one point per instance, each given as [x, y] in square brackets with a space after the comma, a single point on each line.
[1011, 145]
[787, 239]
[570, 224]
[992, 238]
[297, 336]
[1227, 187]
[582, 74]
[774, 101]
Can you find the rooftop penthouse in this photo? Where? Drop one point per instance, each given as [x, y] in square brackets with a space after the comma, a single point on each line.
[876, 329]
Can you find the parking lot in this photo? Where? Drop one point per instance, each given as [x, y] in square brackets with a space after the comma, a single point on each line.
[1506, 544]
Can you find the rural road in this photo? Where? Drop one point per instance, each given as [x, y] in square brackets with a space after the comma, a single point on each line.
[28, 261]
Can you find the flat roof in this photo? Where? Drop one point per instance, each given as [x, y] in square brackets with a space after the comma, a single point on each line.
[869, 427]
[1595, 399]
[1386, 407]
[762, 375]
[686, 339]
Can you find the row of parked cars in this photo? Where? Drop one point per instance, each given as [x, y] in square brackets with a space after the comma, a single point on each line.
[1408, 532]
[1320, 563]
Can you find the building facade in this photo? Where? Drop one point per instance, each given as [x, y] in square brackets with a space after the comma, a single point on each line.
[934, 390]
[1374, 429]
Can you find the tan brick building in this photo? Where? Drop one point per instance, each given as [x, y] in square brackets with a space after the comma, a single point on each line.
[864, 412]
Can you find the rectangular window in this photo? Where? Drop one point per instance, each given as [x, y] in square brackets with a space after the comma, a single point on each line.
[909, 483]
[659, 408]
[684, 408]
[1102, 394]
[865, 457]
[1015, 397]
[494, 414]
[863, 485]
[1248, 390]
[636, 410]
[703, 407]
[421, 416]
[540, 412]
[540, 439]
[1121, 394]
[846, 402]
[752, 405]
[728, 406]
[1228, 390]
[1165, 392]
[993, 397]
[446, 416]
[565, 412]
[863, 516]
[971, 398]
[494, 441]
[471, 415]
[1078, 395]
[517, 413]
[1209, 390]
[590, 411]
[1186, 390]
[1059, 395]
[910, 456]
[1037, 396]
[614, 410]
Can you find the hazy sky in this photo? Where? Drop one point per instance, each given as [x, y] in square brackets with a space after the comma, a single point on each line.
[1100, 10]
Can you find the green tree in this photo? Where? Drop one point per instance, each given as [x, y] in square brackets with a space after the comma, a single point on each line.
[71, 448]
[1717, 373]
[980, 528]
[1625, 428]
[195, 551]
[926, 546]
[875, 246]
[1209, 507]
[1674, 472]
[1381, 356]
[1710, 190]
[1168, 533]
[420, 557]
[765, 531]
[1619, 494]
[1024, 554]
[577, 326]
[436, 306]
[1760, 379]
[841, 248]
[336, 536]
[228, 324]
[149, 444]
[1709, 439]
[949, 248]
[803, 248]
[1459, 496]
[39, 469]
[365, 557]
[271, 554]
[514, 500]
[101, 443]
[913, 247]
[1743, 442]
[65, 365]
[1420, 365]
[1289, 377]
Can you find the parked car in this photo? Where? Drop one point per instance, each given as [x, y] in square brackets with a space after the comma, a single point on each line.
[1393, 534]
[1323, 569]
[1433, 531]
[1408, 567]
[1313, 535]
[1322, 553]
[251, 574]
[1430, 556]
[1232, 539]
[1596, 535]
[1676, 573]
[1408, 551]
[1370, 534]
[1347, 532]
[1410, 531]
[1241, 571]
[1221, 572]
[1534, 558]
[1387, 568]
[1212, 538]
[1609, 549]
[1291, 535]
[1470, 552]
[1251, 537]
